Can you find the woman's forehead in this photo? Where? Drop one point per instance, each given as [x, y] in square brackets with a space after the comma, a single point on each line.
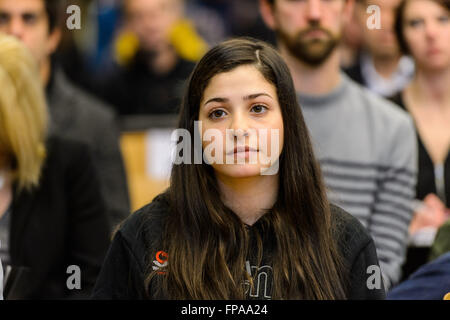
[240, 82]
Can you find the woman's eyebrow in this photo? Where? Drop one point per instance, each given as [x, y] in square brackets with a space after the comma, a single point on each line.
[218, 99]
[256, 95]
[249, 97]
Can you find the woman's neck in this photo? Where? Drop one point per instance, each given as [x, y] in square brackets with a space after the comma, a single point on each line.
[386, 65]
[249, 197]
[431, 88]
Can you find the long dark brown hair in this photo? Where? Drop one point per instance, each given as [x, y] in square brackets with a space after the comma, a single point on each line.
[207, 243]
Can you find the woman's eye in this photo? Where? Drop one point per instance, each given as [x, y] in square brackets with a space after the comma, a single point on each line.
[259, 108]
[4, 18]
[444, 19]
[216, 114]
[414, 22]
[30, 18]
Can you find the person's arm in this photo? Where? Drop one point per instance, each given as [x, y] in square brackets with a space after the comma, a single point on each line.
[429, 282]
[1, 279]
[121, 277]
[87, 224]
[393, 208]
[365, 275]
[430, 214]
[110, 165]
[126, 265]
[441, 243]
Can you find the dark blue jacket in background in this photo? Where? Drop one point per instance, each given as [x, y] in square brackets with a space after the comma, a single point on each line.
[430, 282]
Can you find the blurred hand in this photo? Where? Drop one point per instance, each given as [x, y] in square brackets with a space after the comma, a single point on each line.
[432, 214]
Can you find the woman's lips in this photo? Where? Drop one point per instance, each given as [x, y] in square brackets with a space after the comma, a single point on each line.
[244, 149]
[433, 51]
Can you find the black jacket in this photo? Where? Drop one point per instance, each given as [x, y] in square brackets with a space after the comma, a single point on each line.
[136, 89]
[124, 269]
[426, 182]
[79, 116]
[63, 222]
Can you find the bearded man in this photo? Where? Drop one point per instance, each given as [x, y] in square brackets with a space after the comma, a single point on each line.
[366, 146]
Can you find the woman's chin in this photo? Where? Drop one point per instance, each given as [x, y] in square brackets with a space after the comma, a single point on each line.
[239, 170]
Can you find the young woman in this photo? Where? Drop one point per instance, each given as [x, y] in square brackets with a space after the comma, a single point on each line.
[423, 31]
[241, 230]
[52, 215]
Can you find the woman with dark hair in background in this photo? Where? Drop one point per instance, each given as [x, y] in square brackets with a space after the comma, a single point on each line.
[423, 31]
[52, 214]
[241, 229]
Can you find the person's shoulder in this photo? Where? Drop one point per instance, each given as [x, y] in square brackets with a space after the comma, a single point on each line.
[350, 234]
[358, 253]
[354, 72]
[429, 282]
[66, 160]
[70, 161]
[379, 108]
[185, 66]
[390, 124]
[145, 226]
[64, 149]
[347, 222]
[80, 101]
[1, 280]
[397, 99]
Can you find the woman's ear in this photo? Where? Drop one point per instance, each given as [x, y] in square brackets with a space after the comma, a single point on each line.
[267, 13]
[53, 40]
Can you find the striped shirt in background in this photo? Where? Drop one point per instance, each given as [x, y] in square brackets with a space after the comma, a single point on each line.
[368, 154]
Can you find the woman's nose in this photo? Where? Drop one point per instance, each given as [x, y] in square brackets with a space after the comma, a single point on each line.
[239, 125]
[430, 30]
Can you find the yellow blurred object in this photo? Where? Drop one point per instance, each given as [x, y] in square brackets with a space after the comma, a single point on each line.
[187, 42]
[183, 36]
[125, 47]
[447, 296]
[143, 187]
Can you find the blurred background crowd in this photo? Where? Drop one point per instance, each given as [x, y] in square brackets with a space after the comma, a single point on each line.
[114, 86]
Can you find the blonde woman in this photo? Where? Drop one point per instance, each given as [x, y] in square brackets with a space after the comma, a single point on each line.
[52, 215]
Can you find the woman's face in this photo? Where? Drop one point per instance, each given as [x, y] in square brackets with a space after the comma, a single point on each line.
[427, 33]
[240, 110]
